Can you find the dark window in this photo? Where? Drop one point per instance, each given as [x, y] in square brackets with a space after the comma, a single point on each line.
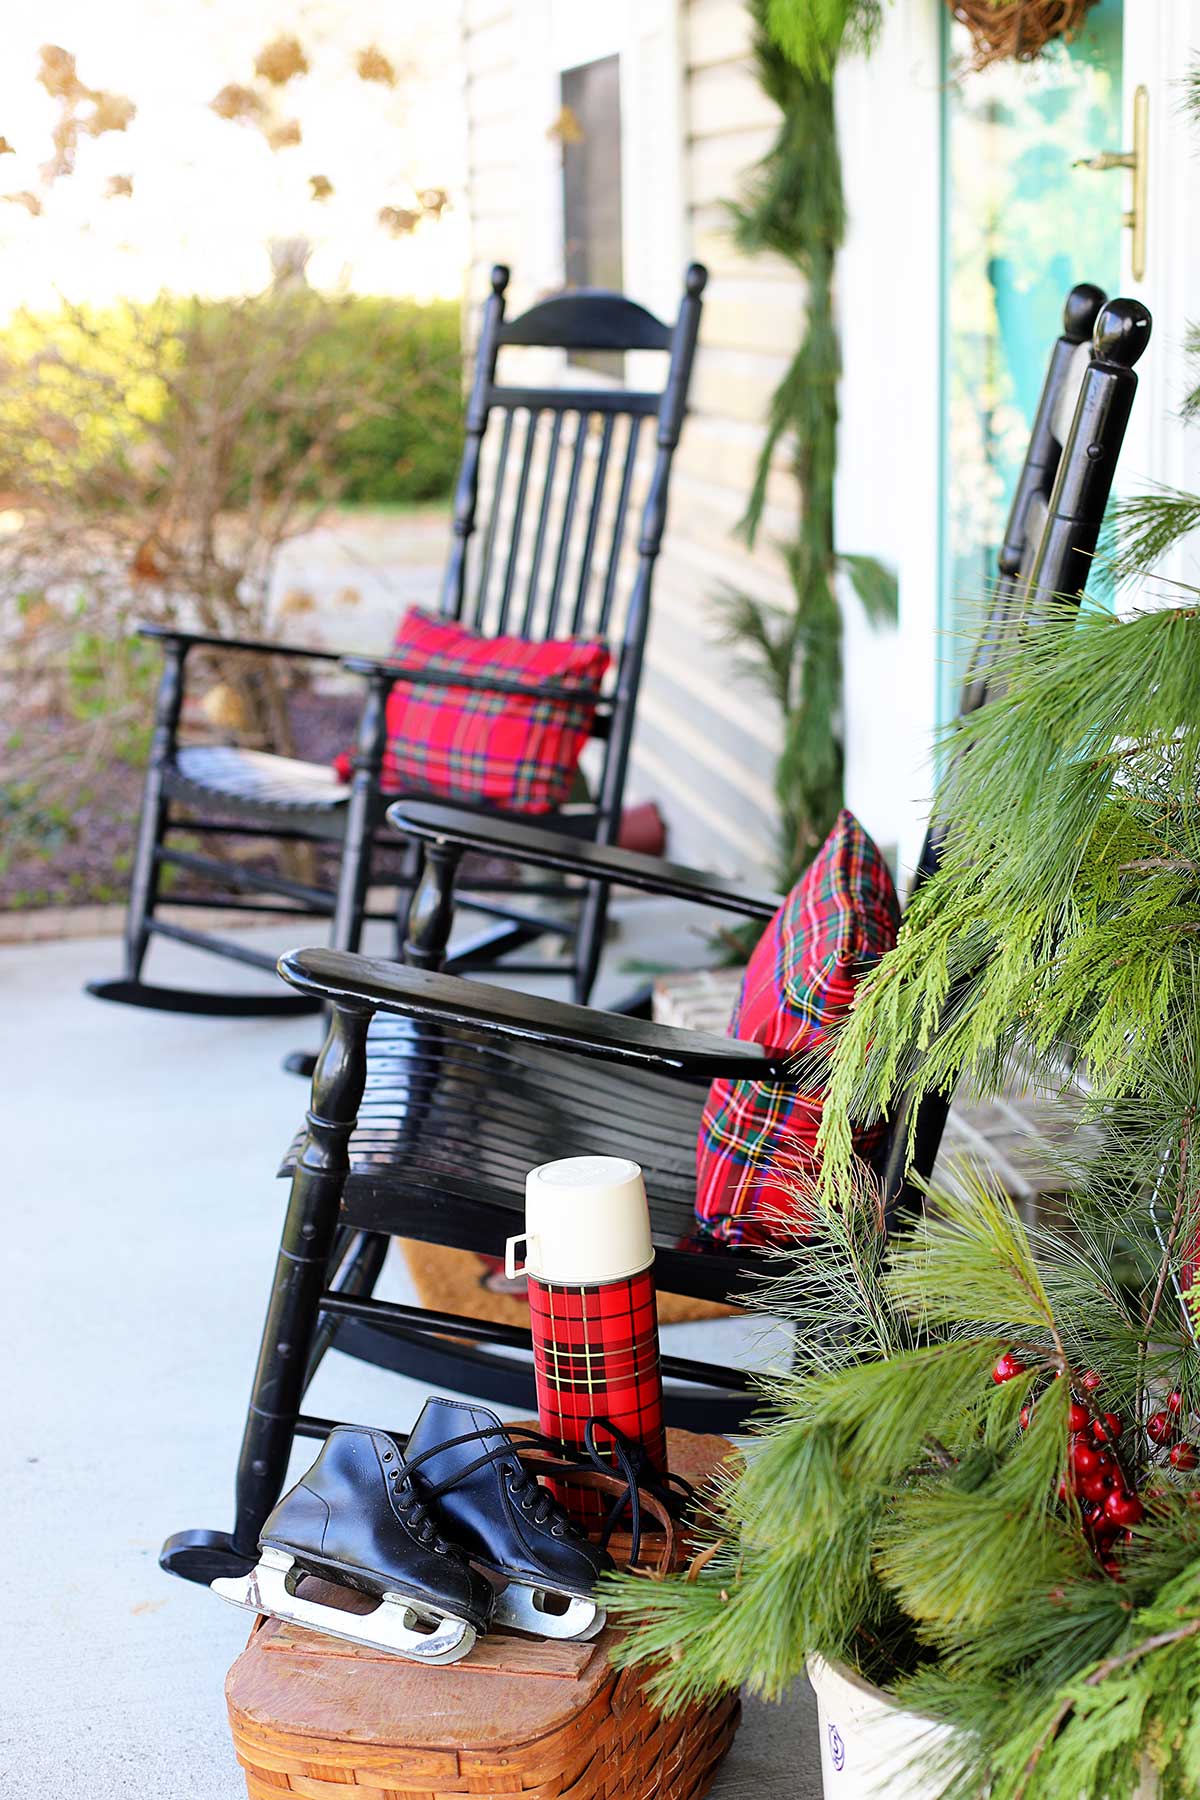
[591, 141]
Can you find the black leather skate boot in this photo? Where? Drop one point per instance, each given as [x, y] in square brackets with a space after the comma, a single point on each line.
[356, 1520]
[469, 1471]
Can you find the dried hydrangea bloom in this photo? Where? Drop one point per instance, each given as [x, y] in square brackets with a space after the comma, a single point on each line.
[373, 65]
[565, 126]
[399, 220]
[237, 102]
[57, 73]
[280, 60]
[110, 112]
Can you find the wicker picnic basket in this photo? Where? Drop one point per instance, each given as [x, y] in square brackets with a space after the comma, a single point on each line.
[314, 1715]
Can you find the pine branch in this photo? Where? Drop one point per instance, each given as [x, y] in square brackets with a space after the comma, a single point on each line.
[1146, 527]
[1041, 924]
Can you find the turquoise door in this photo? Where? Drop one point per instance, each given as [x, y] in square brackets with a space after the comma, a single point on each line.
[1021, 225]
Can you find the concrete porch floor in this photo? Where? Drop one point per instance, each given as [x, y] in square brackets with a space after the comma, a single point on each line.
[143, 1220]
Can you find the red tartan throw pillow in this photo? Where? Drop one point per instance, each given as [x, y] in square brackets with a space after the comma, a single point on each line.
[511, 750]
[839, 918]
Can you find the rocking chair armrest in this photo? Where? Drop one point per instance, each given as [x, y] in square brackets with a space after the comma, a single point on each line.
[429, 822]
[374, 667]
[257, 646]
[365, 984]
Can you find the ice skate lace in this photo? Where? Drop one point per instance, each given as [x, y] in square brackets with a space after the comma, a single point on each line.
[639, 1472]
[630, 1460]
[415, 1513]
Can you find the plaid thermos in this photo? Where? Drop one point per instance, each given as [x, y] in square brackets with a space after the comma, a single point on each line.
[588, 1259]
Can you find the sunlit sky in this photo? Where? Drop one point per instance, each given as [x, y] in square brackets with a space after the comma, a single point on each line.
[210, 194]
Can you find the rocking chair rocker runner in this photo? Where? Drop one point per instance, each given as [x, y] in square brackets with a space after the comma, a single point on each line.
[426, 1128]
[550, 564]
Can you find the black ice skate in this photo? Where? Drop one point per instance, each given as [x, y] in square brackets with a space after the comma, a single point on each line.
[467, 1468]
[355, 1520]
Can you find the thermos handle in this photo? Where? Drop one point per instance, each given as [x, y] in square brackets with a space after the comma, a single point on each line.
[510, 1255]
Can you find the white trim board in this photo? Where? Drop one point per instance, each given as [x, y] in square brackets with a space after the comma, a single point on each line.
[889, 315]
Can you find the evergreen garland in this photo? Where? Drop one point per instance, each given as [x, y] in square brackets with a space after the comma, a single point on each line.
[793, 207]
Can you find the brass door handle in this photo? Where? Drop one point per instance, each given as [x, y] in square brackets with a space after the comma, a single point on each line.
[1134, 160]
[1107, 159]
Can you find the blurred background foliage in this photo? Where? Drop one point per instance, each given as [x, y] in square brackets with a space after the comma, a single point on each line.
[156, 460]
[84, 391]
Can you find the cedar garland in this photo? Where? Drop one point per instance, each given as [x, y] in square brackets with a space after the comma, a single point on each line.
[793, 207]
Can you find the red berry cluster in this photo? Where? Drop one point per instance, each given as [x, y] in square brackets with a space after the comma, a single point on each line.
[1107, 1499]
[1162, 1428]
[1106, 1495]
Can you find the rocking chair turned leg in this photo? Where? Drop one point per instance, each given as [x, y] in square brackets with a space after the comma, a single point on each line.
[355, 1266]
[363, 814]
[431, 915]
[411, 870]
[293, 1314]
[589, 940]
[143, 882]
[362, 819]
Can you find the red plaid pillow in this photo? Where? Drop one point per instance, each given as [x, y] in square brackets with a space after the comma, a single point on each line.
[511, 750]
[758, 1136]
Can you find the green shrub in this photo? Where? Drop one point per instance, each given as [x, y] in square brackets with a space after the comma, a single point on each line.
[155, 459]
[99, 388]
[410, 451]
[403, 361]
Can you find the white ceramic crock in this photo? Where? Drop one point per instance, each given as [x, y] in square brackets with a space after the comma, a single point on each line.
[870, 1748]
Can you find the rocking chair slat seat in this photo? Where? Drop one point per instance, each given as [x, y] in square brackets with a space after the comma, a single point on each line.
[255, 783]
[451, 1121]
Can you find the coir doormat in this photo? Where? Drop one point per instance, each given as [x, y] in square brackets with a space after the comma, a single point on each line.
[454, 1281]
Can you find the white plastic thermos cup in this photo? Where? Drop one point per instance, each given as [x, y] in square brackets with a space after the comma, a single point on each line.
[589, 1261]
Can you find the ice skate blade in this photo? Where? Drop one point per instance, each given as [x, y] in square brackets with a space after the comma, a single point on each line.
[526, 1609]
[392, 1627]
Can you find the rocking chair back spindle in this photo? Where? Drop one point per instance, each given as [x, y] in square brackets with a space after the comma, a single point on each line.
[551, 556]
[425, 1128]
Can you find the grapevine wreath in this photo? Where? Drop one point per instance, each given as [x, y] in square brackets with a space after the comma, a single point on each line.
[1018, 29]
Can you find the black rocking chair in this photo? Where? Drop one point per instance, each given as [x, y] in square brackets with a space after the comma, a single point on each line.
[433, 1095]
[555, 559]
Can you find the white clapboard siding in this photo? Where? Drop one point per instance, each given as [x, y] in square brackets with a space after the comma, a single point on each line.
[715, 32]
[720, 802]
[695, 123]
